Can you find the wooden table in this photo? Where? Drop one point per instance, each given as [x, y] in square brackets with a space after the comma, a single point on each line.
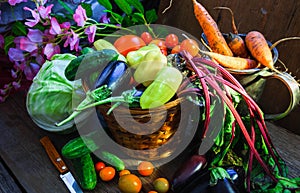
[25, 166]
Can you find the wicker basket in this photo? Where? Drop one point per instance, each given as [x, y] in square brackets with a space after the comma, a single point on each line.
[138, 129]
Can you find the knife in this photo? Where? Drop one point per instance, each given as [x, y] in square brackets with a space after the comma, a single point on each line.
[60, 165]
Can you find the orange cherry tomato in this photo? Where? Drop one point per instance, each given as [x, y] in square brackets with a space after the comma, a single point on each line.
[107, 173]
[145, 168]
[130, 183]
[127, 43]
[124, 172]
[161, 44]
[190, 46]
[161, 185]
[152, 191]
[171, 40]
[147, 37]
[99, 166]
[176, 49]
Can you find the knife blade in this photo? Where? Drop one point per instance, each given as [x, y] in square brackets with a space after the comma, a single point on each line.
[60, 165]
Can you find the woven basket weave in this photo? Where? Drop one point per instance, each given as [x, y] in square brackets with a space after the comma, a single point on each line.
[139, 129]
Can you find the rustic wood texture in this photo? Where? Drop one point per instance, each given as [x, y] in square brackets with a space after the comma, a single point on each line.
[275, 19]
[28, 163]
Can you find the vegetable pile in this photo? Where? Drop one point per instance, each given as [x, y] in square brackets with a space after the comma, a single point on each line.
[147, 69]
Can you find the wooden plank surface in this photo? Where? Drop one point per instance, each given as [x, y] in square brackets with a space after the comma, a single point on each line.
[23, 154]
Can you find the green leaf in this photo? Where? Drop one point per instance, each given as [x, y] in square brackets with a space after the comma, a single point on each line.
[124, 6]
[115, 18]
[151, 16]
[66, 7]
[138, 18]
[19, 29]
[136, 4]
[8, 43]
[127, 21]
[106, 4]
[88, 9]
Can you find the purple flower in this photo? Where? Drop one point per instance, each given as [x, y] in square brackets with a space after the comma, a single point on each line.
[65, 25]
[31, 70]
[13, 73]
[15, 54]
[27, 45]
[1, 41]
[35, 35]
[45, 11]
[35, 15]
[16, 85]
[80, 16]
[104, 19]
[55, 27]
[91, 32]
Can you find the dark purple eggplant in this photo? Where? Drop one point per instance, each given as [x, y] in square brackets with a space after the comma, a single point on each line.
[189, 169]
[224, 186]
[111, 73]
[198, 184]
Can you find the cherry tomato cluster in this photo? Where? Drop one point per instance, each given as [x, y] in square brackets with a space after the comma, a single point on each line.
[129, 182]
[168, 45]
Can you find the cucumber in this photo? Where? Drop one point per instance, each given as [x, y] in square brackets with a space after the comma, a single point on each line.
[85, 171]
[112, 160]
[84, 65]
[78, 147]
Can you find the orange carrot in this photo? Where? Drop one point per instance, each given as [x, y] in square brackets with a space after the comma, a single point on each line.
[237, 45]
[233, 26]
[259, 49]
[231, 62]
[215, 39]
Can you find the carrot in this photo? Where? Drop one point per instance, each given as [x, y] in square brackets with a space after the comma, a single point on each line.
[237, 45]
[231, 62]
[259, 49]
[210, 28]
[233, 26]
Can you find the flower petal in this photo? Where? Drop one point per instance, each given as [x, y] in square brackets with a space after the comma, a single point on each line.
[55, 28]
[27, 45]
[35, 15]
[45, 11]
[15, 54]
[50, 50]
[35, 35]
[80, 16]
[91, 32]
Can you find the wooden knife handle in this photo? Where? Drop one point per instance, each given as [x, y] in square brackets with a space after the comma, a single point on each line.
[54, 155]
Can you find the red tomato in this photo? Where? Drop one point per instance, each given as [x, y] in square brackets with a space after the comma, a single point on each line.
[171, 40]
[107, 173]
[99, 166]
[127, 43]
[161, 44]
[146, 36]
[145, 168]
[190, 46]
[130, 183]
[176, 49]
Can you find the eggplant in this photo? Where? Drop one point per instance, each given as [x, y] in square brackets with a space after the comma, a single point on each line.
[198, 184]
[189, 169]
[111, 73]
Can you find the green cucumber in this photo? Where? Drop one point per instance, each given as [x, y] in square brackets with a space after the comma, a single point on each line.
[84, 65]
[112, 160]
[85, 171]
[78, 147]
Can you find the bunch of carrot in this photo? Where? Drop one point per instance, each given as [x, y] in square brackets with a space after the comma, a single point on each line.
[234, 54]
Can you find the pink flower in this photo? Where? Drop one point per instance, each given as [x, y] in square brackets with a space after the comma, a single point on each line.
[80, 16]
[1, 41]
[65, 25]
[35, 15]
[50, 50]
[91, 32]
[73, 41]
[55, 27]
[16, 85]
[35, 35]
[45, 11]
[14, 2]
[27, 45]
